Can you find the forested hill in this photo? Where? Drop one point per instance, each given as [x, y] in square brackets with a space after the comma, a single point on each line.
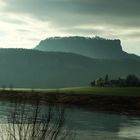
[37, 69]
[97, 47]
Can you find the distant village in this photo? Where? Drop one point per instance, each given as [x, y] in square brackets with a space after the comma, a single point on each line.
[129, 81]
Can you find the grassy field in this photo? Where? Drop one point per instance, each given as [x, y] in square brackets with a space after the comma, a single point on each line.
[115, 91]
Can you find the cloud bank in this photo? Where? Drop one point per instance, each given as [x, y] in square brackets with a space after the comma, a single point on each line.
[26, 22]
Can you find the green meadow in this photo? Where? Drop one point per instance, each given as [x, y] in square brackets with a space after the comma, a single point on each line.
[113, 91]
[108, 91]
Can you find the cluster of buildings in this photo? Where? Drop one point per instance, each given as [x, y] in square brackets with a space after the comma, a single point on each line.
[130, 80]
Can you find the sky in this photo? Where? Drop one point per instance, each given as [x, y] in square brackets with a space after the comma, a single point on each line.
[24, 23]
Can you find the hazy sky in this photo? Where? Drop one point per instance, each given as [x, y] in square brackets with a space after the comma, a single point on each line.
[23, 23]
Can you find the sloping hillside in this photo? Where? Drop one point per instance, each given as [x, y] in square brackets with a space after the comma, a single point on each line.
[36, 69]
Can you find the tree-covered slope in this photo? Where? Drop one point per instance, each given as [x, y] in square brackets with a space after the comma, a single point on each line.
[36, 69]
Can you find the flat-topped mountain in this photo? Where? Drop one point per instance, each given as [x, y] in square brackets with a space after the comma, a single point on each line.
[37, 69]
[97, 47]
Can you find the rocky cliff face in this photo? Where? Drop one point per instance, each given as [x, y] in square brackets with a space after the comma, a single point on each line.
[98, 48]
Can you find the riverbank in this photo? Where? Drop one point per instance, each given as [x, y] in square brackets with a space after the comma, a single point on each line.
[120, 100]
[115, 91]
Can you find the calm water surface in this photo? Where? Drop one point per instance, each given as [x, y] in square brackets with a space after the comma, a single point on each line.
[90, 125]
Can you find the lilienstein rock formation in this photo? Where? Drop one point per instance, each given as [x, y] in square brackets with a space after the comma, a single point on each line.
[65, 62]
[98, 48]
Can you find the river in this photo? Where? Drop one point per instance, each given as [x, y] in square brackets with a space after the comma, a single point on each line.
[89, 125]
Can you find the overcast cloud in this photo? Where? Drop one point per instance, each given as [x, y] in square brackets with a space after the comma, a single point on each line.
[23, 23]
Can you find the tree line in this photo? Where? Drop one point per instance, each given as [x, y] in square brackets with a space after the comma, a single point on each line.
[130, 81]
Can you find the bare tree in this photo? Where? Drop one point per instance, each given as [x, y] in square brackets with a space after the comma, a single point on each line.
[36, 121]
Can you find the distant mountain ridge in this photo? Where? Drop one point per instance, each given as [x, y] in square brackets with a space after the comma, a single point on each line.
[98, 48]
[37, 69]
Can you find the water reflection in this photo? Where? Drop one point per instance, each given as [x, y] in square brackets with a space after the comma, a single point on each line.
[88, 125]
[92, 125]
[130, 129]
[35, 121]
